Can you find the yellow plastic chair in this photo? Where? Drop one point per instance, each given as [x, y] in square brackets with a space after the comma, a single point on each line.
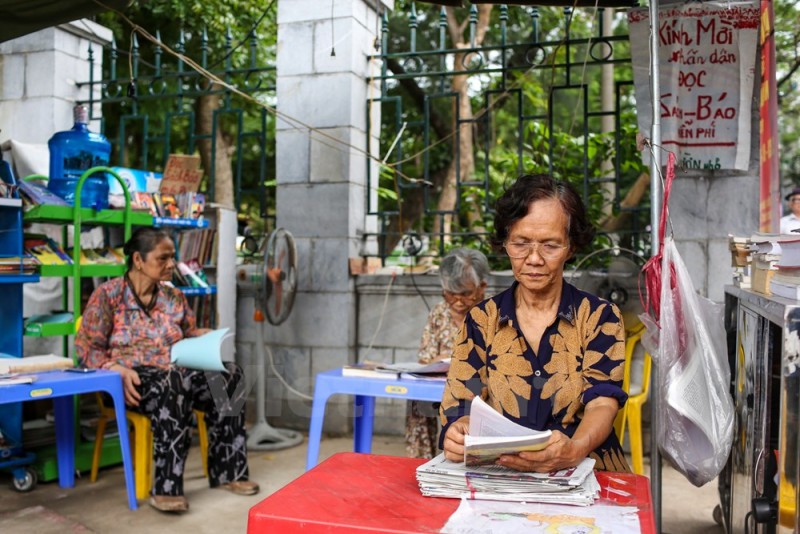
[631, 414]
[142, 442]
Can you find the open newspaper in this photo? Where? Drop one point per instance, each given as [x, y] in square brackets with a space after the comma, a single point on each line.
[442, 478]
[491, 434]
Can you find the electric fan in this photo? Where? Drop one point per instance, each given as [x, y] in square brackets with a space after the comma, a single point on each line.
[274, 280]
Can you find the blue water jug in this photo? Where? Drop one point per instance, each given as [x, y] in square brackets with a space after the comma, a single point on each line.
[71, 153]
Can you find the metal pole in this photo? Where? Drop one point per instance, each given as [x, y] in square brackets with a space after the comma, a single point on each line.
[656, 196]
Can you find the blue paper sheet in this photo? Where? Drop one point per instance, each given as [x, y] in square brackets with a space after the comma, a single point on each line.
[202, 352]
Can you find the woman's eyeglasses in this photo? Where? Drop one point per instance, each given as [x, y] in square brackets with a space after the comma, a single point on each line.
[467, 300]
[547, 250]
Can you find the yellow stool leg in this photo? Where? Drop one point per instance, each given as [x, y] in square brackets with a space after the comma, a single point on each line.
[635, 437]
[98, 446]
[203, 431]
[142, 453]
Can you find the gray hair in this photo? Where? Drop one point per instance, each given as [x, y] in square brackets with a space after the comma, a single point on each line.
[461, 268]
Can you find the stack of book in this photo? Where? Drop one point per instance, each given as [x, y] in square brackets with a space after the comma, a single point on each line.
[766, 251]
[785, 281]
[24, 264]
[740, 248]
[45, 250]
[776, 265]
[200, 245]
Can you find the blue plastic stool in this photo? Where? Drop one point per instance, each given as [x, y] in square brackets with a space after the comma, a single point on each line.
[61, 386]
[365, 391]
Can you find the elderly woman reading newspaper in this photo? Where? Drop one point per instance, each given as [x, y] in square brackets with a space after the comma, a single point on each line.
[129, 326]
[543, 353]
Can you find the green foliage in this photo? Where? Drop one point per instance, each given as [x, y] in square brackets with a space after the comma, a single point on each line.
[234, 39]
[787, 50]
[528, 123]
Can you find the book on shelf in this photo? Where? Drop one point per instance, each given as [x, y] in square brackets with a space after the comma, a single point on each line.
[192, 273]
[35, 193]
[201, 352]
[790, 254]
[24, 264]
[169, 206]
[783, 289]
[491, 435]
[100, 256]
[45, 250]
[143, 201]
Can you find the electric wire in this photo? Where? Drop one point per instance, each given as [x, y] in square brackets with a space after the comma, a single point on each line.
[383, 313]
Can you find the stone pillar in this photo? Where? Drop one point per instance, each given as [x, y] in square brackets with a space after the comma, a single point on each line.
[321, 193]
[39, 79]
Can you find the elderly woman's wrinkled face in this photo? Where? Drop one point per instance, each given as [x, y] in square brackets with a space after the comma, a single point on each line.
[461, 302]
[538, 245]
[159, 263]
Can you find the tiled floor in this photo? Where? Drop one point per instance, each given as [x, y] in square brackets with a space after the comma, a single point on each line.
[102, 507]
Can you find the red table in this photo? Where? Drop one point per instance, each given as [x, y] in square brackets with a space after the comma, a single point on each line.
[372, 493]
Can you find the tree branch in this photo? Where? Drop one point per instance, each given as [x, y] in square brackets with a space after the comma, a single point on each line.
[785, 78]
[417, 95]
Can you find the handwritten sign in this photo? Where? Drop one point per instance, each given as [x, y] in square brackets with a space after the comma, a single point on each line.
[181, 175]
[706, 58]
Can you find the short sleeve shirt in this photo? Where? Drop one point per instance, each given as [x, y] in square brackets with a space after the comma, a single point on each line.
[114, 328]
[581, 357]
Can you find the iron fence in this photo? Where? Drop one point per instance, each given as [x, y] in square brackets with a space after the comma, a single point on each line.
[152, 107]
[461, 119]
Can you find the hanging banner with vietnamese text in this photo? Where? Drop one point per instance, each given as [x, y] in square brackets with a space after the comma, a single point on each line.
[706, 62]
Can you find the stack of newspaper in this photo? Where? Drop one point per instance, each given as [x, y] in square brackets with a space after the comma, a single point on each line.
[442, 478]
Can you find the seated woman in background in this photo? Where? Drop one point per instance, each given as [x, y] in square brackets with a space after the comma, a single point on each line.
[543, 353]
[463, 274]
[129, 326]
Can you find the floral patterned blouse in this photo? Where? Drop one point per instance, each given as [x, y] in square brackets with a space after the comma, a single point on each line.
[114, 327]
[580, 358]
[438, 335]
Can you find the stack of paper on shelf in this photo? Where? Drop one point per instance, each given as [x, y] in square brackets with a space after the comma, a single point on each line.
[442, 478]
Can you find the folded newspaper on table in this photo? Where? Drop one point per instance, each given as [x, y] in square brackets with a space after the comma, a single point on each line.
[442, 478]
[492, 434]
[201, 352]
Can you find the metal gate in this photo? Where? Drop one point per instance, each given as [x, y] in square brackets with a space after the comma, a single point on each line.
[542, 90]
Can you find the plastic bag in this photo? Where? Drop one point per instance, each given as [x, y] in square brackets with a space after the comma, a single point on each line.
[696, 409]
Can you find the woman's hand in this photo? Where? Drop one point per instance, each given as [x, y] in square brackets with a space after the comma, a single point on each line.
[130, 379]
[453, 444]
[561, 452]
[200, 332]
